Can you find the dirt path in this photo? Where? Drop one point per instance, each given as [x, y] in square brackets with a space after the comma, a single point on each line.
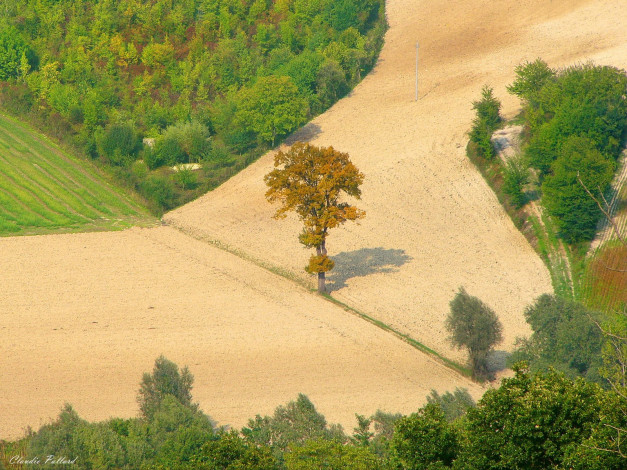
[432, 223]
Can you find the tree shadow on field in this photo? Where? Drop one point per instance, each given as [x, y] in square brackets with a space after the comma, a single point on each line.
[304, 134]
[497, 361]
[363, 262]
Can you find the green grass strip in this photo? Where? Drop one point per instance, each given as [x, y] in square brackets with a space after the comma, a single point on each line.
[67, 169]
[45, 190]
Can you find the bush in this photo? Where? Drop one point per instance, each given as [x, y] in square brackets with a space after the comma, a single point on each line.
[531, 77]
[564, 337]
[320, 454]
[474, 326]
[425, 440]
[531, 422]
[165, 380]
[515, 177]
[159, 191]
[481, 136]
[488, 108]
[186, 178]
[293, 424]
[230, 452]
[485, 123]
[178, 433]
[59, 437]
[563, 195]
[169, 151]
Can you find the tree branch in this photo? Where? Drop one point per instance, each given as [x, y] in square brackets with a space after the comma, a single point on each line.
[605, 208]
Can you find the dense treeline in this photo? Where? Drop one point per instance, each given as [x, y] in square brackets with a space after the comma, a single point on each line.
[575, 123]
[532, 421]
[211, 81]
[576, 119]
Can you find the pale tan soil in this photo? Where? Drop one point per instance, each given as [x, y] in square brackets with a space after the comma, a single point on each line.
[82, 316]
[432, 223]
[76, 322]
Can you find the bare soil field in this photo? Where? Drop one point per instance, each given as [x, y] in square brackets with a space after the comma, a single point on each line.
[432, 224]
[83, 315]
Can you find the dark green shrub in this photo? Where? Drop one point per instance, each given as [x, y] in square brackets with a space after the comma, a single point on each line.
[165, 380]
[488, 109]
[564, 337]
[159, 191]
[481, 135]
[485, 123]
[532, 421]
[566, 198]
[425, 440]
[331, 83]
[152, 158]
[473, 326]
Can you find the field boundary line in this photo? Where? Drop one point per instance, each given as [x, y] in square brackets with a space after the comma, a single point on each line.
[289, 275]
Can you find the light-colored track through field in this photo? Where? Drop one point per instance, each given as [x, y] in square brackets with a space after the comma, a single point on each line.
[432, 223]
[82, 316]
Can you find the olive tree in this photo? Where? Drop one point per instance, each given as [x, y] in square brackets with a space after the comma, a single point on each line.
[474, 326]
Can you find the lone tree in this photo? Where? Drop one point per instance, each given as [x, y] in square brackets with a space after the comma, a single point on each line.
[310, 180]
[474, 326]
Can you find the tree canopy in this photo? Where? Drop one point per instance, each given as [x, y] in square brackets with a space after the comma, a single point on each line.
[575, 122]
[311, 181]
[474, 326]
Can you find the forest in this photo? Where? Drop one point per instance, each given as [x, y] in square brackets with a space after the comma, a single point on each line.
[147, 88]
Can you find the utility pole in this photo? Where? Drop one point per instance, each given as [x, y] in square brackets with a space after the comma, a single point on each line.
[416, 70]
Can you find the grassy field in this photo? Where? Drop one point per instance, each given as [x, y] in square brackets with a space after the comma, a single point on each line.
[44, 190]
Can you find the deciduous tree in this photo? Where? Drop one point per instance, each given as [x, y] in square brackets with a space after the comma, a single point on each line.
[271, 108]
[474, 326]
[310, 180]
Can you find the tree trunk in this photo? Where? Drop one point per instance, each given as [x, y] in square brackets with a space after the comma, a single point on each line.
[321, 251]
[321, 283]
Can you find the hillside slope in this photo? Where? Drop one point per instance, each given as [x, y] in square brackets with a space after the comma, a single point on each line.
[432, 223]
[81, 321]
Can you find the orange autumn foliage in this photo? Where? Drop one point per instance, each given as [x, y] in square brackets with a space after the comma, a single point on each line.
[310, 181]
